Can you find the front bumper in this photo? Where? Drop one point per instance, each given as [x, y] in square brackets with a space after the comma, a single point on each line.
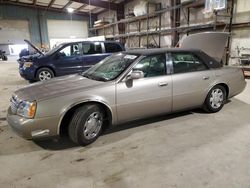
[33, 128]
[27, 74]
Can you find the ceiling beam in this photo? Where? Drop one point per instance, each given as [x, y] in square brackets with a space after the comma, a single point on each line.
[51, 3]
[67, 5]
[80, 8]
[41, 7]
[99, 3]
[93, 10]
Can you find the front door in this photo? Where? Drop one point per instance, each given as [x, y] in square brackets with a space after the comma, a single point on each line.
[69, 60]
[146, 96]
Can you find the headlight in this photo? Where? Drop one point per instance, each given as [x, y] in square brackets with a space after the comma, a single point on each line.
[26, 109]
[27, 64]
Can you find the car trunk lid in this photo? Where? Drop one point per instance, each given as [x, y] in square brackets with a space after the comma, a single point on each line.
[212, 43]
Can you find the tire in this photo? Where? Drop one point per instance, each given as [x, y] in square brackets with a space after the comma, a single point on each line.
[5, 58]
[44, 74]
[215, 99]
[86, 117]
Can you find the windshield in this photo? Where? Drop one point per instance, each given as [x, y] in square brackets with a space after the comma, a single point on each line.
[111, 67]
[54, 49]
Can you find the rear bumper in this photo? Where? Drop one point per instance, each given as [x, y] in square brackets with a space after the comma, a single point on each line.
[33, 128]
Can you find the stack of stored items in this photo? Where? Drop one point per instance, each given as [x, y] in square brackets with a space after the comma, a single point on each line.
[101, 22]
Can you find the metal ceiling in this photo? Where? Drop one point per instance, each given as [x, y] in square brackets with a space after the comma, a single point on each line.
[83, 7]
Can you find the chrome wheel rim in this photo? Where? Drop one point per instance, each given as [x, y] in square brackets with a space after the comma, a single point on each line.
[45, 75]
[93, 125]
[216, 98]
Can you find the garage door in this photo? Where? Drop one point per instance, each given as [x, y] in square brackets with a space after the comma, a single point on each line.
[61, 29]
[14, 31]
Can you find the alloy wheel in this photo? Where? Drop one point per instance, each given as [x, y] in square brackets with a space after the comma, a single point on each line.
[93, 125]
[45, 75]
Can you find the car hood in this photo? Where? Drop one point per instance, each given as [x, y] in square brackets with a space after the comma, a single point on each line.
[56, 87]
[34, 47]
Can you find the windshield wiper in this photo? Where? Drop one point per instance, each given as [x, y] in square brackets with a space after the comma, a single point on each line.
[92, 77]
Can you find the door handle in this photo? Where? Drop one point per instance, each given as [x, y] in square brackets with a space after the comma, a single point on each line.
[205, 77]
[162, 84]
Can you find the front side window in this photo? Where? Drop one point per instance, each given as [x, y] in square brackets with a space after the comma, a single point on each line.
[152, 65]
[92, 48]
[112, 47]
[186, 62]
[69, 51]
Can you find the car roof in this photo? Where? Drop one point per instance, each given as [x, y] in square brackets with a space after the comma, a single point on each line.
[209, 61]
[64, 43]
[158, 51]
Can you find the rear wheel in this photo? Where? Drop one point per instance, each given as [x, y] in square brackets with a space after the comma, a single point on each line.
[44, 74]
[215, 99]
[86, 124]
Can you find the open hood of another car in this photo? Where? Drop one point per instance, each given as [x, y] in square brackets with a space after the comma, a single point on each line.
[212, 43]
[33, 46]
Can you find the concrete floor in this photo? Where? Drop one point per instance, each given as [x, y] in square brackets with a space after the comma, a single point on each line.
[189, 149]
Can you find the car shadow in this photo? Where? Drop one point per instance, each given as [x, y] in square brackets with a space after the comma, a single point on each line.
[201, 111]
[63, 143]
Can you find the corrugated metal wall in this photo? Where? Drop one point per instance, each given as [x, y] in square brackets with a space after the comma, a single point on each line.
[37, 21]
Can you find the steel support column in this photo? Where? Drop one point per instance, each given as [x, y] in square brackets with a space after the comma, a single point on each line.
[175, 21]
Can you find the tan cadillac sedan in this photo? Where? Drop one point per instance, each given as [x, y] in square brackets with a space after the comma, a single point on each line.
[127, 86]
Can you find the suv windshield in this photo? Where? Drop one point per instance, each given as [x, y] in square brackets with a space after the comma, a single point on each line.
[110, 68]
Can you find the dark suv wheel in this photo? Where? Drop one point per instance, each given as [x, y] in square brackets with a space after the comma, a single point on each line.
[44, 74]
[86, 124]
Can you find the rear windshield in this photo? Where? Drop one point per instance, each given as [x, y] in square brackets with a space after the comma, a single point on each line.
[112, 47]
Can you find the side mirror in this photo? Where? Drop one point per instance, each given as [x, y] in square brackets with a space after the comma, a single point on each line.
[57, 56]
[136, 74]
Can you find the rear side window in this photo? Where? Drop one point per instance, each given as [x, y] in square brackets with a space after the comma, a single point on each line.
[112, 47]
[92, 48]
[187, 62]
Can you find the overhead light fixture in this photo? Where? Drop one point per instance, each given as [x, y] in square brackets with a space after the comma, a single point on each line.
[70, 10]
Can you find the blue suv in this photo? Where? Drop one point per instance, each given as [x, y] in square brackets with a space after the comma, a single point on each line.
[67, 58]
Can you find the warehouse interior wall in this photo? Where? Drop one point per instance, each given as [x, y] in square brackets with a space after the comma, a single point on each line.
[240, 36]
[37, 21]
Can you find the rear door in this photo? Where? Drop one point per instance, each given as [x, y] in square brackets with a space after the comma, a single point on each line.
[191, 80]
[146, 96]
[92, 53]
[68, 60]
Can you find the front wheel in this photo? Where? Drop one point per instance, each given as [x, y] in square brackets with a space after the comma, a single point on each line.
[5, 58]
[44, 74]
[86, 124]
[215, 99]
